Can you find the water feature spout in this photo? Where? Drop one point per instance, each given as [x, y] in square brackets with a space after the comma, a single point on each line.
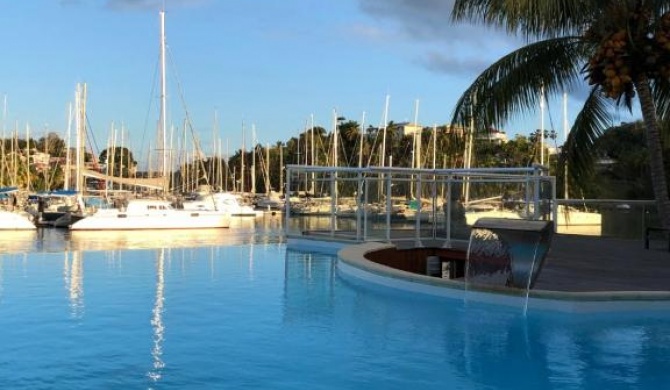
[507, 252]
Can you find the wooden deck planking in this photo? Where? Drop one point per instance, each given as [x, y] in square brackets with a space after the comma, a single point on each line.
[589, 264]
[580, 263]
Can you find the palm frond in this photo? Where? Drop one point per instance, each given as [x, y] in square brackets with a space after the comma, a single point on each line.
[578, 151]
[511, 86]
[661, 93]
[531, 18]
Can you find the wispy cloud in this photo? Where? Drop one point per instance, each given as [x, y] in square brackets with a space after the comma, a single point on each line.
[445, 47]
[453, 64]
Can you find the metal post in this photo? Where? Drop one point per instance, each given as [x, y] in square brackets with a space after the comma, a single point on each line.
[389, 206]
[333, 205]
[448, 216]
[287, 200]
[536, 193]
[417, 228]
[359, 206]
[434, 197]
[365, 215]
[554, 206]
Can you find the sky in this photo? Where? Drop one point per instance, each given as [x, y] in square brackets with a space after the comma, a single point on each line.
[265, 65]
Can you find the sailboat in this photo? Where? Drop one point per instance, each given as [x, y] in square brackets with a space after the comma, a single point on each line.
[154, 213]
[10, 217]
[223, 202]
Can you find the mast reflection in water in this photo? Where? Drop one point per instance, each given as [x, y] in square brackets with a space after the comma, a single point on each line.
[73, 274]
[157, 325]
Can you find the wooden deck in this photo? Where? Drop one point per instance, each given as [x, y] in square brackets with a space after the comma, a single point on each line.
[581, 263]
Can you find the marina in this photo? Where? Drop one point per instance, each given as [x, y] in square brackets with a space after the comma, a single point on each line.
[236, 306]
[255, 236]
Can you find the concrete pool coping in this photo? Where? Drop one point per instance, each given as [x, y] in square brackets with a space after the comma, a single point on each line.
[353, 263]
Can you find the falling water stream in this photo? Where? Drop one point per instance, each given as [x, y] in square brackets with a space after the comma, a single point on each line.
[504, 253]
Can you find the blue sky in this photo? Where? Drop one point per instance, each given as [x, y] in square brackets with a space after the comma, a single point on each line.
[271, 64]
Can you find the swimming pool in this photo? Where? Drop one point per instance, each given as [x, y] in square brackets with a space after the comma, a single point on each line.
[250, 314]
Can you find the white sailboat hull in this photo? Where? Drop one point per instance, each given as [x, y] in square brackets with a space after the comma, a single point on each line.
[222, 202]
[10, 220]
[177, 219]
[152, 215]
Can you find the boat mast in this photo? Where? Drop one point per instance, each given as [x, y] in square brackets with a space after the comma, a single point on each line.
[542, 125]
[3, 163]
[162, 124]
[312, 153]
[253, 159]
[470, 134]
[68, 153]
[107, 158]
[335, 136]
[241, 189]
[382, 158]
[417, 135]
[123, 162]
[416, 141]
[362, 139]
[81, 134]
[565, 141]
[268, 185]
[28, 157]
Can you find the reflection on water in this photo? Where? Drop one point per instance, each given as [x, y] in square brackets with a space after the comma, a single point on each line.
[19, 241]
[258, 316]
[157, 319]
[73, 273]
[309, 286]
[150, 239]
[267, 229]
[492, 347]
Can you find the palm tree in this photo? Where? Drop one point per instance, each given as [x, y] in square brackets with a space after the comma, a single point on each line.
[620, 47]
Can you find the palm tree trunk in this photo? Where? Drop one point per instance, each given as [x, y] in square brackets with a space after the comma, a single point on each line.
[657, 168]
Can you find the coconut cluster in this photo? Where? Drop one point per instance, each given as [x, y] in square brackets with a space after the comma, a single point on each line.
[626, 52]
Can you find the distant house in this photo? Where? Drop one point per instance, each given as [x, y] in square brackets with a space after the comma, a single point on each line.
[40, 160]
[405, 128]
[493, 135]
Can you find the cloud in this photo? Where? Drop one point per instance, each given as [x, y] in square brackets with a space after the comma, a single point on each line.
[421, 19]
[444, 46]
[453, 64]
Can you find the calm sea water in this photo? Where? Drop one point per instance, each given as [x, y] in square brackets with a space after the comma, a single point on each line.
[234, 309]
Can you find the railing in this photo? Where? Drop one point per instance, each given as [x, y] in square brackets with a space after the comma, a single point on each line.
[387, 204]
[413, 204]
[619, 218]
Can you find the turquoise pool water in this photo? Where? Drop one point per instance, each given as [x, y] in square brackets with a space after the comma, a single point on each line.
[248, 314]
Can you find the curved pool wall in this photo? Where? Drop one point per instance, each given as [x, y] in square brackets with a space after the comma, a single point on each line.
[352, 263]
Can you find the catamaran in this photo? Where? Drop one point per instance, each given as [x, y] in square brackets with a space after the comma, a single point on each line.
[151, 214]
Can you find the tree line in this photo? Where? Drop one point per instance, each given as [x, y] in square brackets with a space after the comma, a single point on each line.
[625, 176]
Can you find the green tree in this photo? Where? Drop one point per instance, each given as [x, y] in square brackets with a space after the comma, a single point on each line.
[619, 46]
[121, 159]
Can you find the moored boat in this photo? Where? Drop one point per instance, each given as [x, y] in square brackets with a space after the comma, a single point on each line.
[151, 214]
[12, 216]
[16, 220]
[222, 202]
